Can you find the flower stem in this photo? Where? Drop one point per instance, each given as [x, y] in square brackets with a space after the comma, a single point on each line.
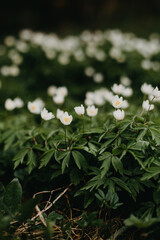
[65, 133]
[83, 124]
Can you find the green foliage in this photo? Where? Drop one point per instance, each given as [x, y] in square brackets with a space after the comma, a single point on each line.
[11, 208]
[111, 167]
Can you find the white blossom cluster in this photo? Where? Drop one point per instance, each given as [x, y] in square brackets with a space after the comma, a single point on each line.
[88, 44]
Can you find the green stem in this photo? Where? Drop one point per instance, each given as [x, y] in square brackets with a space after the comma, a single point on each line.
[65, 133]
[83, 124]
[40, 126]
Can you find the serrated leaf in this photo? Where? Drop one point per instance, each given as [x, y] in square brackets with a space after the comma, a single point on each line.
[155, 135]
[12, 196]
[31, 161]
[46, 157]
[78, 158]
[19, 157]
[117, 164]
[106, 164]
[65, 162]
[121, 183]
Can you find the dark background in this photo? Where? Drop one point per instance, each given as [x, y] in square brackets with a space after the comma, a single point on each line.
[72, 16]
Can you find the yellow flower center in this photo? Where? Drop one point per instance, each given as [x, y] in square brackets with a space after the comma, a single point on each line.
[33, 108]
[91, 111]
[66, 119]
[117, 103]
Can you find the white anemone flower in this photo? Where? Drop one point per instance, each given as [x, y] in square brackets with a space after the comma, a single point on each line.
[147, 106]
[92, 111]
[156, 93]
[66, 119]
[125, 104]
[117, 102]
[9, 104]
[89, 71]
[127, 92]
[125, 81]
[80, 110]
[147, 89]
[18, 102]
[117, 89]
[98, 77]
[62, 91]
[35, 106]
[51, 91]
[58, 99]
[119, 114]
[59, 113]
[46, 115]
[88, 102]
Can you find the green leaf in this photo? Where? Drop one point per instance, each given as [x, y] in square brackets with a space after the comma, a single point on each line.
[141, 222]
[93, 148]
[27, 209]
[151, 172]
[31, 161]
[75, 176]
[137, 157]
[65, 162]
[107, 158]
[19, 157]
[12, 196]
[141, 134]
[121, 183]
[117, 164]
[60, 155]
[155, 135]
[78, 158]
[46, 157]
[4, 222]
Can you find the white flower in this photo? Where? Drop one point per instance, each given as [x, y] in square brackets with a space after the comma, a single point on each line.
[92, 111]
[18, 102]
[125, 81]
[51, 91]
[9, 41]
[62, 91]
[118, 89]
[89, 71]
[59, 113]
[98, 77]
[146, 89]
[127, 92]
[119, 114]
[108, 96]
[58, 99]
[5, 70]
[88, 102]
[117, 102]
[39, 102]
[80, 110]
[147, 106]
[65, 118]
[156, 93]
[14, 70]
[46, 115]
[35, 106]
[125, 104]
[63, 59]
[9, 104]
[99, 99]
